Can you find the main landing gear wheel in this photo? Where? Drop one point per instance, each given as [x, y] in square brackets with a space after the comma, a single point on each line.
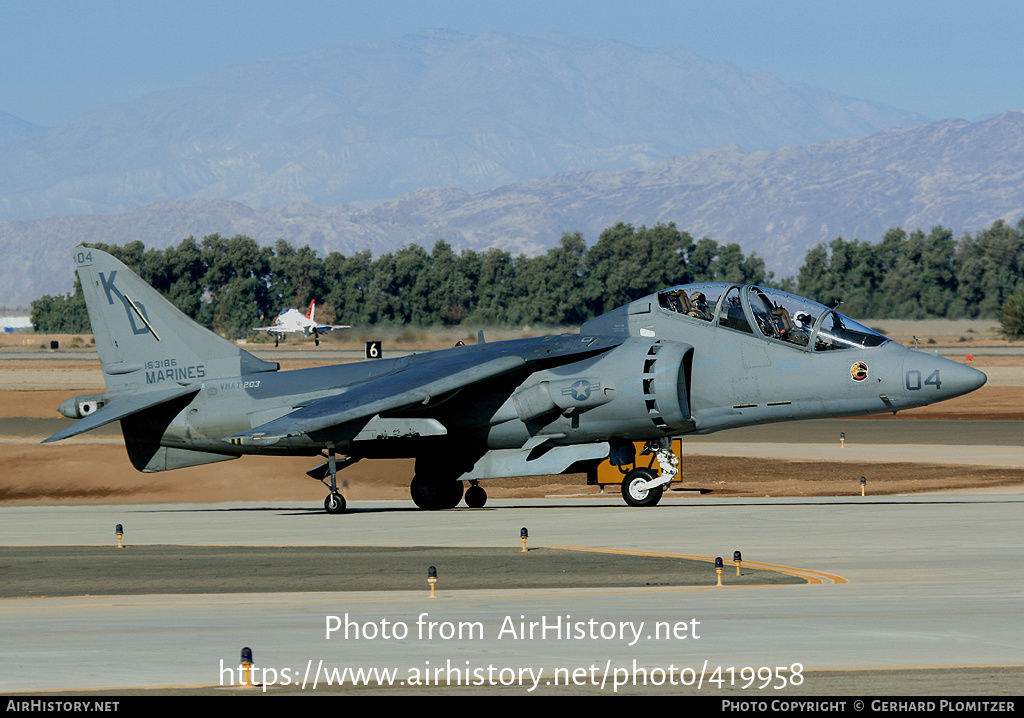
[334, 503]
[435, 493]
[476, 497]
[635, 494]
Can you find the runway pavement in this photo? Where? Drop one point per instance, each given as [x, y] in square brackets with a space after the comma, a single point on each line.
[953, 454]
[906, 595]
[107, 570]
[960, 443]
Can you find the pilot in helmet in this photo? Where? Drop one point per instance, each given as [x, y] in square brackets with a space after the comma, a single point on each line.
[700, 306]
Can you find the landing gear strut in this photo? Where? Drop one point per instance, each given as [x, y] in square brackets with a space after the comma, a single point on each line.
[335, 502]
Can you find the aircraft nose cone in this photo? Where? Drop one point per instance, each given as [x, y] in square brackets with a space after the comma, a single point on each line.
[933, 379]
[964, 379]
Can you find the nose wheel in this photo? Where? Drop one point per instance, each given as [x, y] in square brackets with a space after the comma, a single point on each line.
[636, 488]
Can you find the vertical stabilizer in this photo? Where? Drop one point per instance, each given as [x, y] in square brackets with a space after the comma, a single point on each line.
[143, 340]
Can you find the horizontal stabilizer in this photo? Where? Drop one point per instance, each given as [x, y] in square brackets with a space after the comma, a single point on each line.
[121, 408]
[150, 459]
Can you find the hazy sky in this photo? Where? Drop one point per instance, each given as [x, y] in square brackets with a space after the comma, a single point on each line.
[59, 58]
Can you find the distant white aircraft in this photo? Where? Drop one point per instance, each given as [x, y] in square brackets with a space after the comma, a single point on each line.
[292, 320]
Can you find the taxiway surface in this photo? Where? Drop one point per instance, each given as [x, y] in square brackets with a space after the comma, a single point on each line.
[907, 594]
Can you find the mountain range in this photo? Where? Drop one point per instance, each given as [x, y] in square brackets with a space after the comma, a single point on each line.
[373, 120]
[491, 140]
[778, 204]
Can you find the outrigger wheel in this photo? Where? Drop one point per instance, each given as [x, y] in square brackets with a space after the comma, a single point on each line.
[334, 503]
[634, 489]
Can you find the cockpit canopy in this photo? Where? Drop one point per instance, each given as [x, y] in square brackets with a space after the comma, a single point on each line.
[770, 313]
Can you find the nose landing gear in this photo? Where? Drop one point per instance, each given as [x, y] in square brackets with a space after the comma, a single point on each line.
[637, 488]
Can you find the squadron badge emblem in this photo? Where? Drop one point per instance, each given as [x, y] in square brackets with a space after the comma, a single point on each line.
[859, 371]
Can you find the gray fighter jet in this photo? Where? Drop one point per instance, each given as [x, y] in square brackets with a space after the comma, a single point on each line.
[691, 359]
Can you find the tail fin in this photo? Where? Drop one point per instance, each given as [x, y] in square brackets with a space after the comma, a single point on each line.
[143, 340]
[312, 308]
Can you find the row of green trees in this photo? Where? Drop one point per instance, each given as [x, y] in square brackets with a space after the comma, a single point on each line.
[918, 275]
[234, 284]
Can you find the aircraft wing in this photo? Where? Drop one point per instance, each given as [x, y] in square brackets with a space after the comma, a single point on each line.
[275, 329]
[417, 384]
[330, 327]
[121, 408]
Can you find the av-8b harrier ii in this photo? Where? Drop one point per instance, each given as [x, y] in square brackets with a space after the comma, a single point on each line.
[690, 359]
